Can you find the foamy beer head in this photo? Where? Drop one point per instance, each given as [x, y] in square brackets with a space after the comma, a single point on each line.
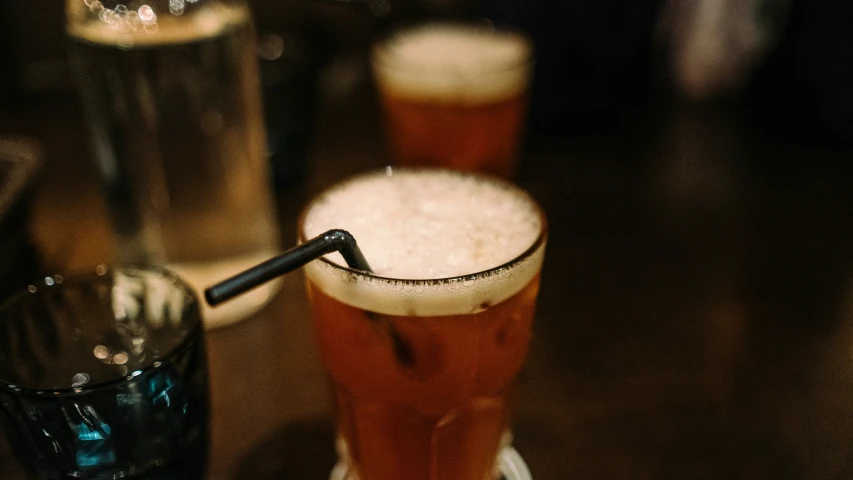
[454, 63]
[439, 242]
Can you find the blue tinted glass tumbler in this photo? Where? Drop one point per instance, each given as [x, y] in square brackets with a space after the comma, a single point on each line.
[104, 376]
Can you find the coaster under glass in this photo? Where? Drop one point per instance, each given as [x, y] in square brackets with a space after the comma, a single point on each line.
[510, 466]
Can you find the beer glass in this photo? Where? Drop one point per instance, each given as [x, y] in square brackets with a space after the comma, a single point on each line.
[454, 95]
[104, 375]
[422, 352]
[171, 93]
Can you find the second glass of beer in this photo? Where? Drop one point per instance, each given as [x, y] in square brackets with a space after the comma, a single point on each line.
[455, 95]
[422, 353]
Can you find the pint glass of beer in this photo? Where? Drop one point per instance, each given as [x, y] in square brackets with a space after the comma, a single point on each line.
[422, 352]
[454, 95]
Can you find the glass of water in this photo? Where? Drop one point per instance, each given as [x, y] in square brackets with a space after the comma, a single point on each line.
[104, 375]
[172, 97]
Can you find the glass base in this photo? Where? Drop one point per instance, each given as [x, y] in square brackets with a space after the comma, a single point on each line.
[510, 466]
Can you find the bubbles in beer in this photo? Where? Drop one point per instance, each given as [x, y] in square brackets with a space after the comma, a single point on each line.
[147, 15]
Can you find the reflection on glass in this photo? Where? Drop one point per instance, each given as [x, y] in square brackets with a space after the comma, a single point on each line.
[68, 404]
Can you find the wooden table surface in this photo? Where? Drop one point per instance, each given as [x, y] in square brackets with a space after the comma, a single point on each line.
[695, 319]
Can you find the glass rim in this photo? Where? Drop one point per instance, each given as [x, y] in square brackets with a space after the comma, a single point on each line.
[84, 22]
[382, 59]
[534, 247]
[191, 338]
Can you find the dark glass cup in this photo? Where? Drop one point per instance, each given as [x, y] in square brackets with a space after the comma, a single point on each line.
[104, 376]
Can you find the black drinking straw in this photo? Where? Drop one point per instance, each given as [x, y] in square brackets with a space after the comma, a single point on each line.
[331, 241]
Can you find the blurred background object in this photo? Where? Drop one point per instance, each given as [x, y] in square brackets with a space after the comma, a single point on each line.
[20, 161]
[714, 46]
[171, 93]
[32, 49]
[465, 83]
[290, 66]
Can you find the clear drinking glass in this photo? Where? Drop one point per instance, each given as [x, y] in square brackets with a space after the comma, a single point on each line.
[171, 93]
[422, 369]
[104, 375]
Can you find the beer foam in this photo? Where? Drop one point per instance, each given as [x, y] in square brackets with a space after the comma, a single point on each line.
[146, 28]
[434, 240]
[454, 63]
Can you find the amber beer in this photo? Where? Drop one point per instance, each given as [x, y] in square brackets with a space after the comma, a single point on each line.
[423, 352]
[454, 95]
